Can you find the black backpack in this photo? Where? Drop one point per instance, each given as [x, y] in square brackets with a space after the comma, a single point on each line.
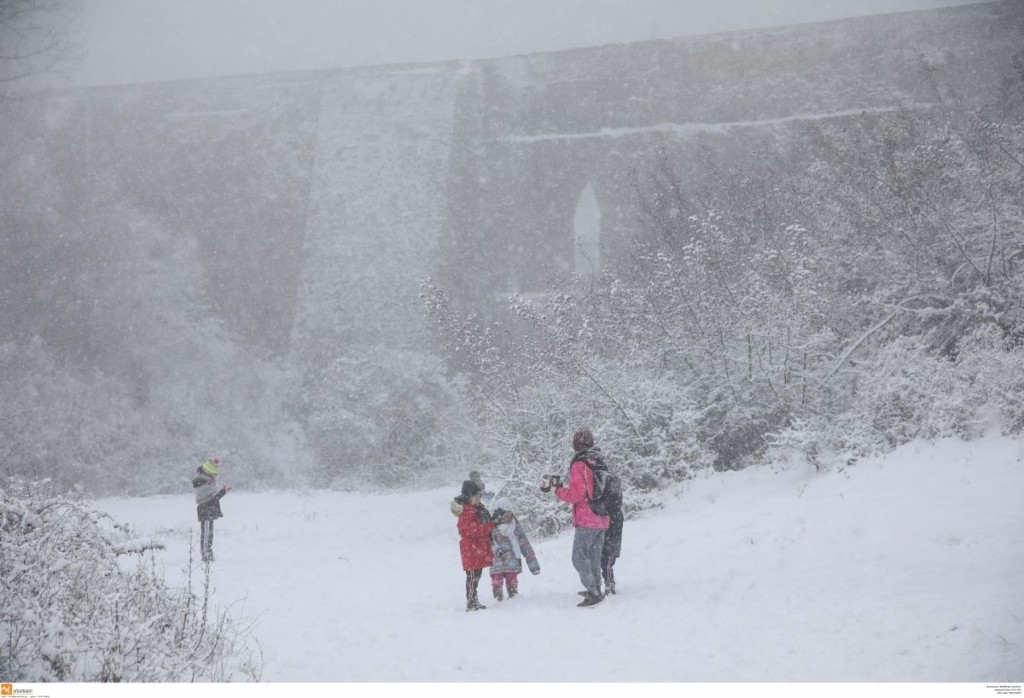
[607, 497]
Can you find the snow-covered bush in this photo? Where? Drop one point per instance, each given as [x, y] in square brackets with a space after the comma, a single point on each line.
[864, 294]
[905, 393]
[992, 365]
[551, 367]
[388, 420]
[82, 600]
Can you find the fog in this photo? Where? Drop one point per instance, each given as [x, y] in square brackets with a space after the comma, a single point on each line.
[126, 41]
[272, 267]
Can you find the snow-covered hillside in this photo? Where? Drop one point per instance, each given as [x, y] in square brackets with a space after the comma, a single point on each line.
[908, 568]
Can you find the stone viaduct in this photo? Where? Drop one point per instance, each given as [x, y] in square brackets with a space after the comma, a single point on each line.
[318, 200]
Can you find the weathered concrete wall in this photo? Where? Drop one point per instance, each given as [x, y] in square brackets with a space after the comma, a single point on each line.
[318, 199]
[223, 165]
[375, 211]
[533, 131]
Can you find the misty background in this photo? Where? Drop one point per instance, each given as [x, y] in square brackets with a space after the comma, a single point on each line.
[159, 40]
[338, 253]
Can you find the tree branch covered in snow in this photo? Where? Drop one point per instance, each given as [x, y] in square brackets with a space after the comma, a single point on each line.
[864, 295]
[36, 37]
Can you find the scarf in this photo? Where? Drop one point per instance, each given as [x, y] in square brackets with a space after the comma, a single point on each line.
[509, 531]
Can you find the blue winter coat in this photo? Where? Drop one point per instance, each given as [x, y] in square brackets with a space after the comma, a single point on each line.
[505, 559]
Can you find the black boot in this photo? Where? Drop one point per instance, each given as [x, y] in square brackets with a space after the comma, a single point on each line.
[590, 599]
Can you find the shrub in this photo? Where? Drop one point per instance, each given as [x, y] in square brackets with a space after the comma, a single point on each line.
[73, 609]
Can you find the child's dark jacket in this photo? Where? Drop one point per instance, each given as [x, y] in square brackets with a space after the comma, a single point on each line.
[613, 538]
[208, 497]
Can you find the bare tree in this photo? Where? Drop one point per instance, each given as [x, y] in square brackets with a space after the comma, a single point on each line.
[37, 37]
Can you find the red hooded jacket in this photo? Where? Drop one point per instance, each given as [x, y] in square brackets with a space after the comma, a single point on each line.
[475, 545]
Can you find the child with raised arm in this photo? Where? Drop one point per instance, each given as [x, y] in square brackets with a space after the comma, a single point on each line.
[208, 496]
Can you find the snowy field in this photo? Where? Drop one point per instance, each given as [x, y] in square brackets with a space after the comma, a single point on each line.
[903, 569]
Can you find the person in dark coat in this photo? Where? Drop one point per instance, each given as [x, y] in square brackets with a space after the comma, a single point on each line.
[612, 546]
[208, 496]
[475, 526]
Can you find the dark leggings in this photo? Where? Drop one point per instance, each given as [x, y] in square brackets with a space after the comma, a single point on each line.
[608, 570]
[472, 583]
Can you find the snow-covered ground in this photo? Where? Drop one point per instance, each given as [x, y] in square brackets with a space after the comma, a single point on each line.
[903, 569]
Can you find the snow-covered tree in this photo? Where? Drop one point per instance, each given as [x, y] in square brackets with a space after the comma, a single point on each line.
[81, 599]
[850, 294]
[38, 37]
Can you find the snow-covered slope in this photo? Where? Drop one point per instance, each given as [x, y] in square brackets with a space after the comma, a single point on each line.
[904, 568]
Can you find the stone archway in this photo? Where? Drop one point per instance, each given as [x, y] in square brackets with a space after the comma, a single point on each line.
[586, 225]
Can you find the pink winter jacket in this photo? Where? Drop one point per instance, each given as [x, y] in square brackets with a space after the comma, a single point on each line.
[581, 486]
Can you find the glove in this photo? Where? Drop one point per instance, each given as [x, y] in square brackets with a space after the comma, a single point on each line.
[545, 486]
[227, 488]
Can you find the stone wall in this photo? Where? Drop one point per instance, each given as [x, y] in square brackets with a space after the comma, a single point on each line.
[533, 132]
[317, 200]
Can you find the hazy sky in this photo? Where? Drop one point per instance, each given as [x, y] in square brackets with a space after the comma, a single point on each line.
[152, 40]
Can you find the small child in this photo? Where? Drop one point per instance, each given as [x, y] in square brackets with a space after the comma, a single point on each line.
[204, 485]
[509, 546]
[475, 526]
[612, 545]
[612, 548]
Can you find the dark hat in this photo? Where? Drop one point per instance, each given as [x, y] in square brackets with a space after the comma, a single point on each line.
[582, 439]
[470, 488]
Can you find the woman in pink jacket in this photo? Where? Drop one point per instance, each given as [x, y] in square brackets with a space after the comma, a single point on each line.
[590, 528]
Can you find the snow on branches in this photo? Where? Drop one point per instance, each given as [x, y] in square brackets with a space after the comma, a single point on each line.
[72, 608]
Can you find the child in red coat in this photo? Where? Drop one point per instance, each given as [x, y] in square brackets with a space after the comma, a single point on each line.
[475, 528]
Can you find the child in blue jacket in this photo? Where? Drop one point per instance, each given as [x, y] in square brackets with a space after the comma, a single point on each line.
[509, 545]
